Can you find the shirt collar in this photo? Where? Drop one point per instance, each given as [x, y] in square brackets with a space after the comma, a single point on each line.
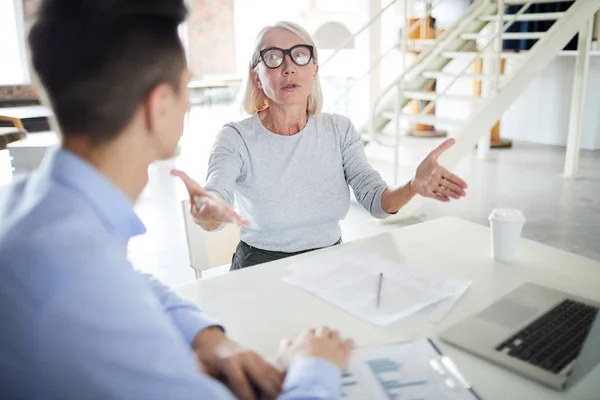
[108, 201]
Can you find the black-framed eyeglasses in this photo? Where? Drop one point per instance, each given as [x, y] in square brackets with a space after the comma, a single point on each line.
[301, 55]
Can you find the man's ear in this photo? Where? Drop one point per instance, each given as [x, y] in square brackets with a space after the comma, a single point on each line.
[156, 107]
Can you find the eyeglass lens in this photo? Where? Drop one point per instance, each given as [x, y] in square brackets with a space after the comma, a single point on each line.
[273, 58]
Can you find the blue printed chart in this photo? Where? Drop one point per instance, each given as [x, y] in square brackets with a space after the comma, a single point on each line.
[397, 372]
[389, 375]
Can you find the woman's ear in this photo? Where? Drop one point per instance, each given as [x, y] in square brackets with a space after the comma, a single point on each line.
[256, 80]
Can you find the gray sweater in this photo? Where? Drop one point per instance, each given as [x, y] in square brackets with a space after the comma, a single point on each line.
[293, 189]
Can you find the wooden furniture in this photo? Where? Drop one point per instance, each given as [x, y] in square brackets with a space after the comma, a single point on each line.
[20, 116]
[9, 135]
[495, 140]
[425, 31]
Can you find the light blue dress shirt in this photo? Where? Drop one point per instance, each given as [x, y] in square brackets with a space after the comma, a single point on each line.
[78, 322]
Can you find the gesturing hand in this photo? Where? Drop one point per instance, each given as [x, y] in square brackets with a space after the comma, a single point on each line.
[434, 181]
[207, 210]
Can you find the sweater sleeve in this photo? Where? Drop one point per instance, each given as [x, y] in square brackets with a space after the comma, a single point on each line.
[366, 183]
[226, 163]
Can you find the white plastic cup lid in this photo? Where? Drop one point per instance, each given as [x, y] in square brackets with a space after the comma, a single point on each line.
[507, 215]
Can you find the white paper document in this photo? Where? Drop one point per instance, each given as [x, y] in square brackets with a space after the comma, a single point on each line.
[414, 370]
[437, 311]
[350, 280]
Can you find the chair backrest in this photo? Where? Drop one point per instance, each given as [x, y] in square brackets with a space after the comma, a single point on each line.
[208, 249]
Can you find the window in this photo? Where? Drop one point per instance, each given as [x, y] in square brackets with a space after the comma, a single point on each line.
[13, 68]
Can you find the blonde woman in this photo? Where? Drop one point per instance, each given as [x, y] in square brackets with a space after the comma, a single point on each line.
[290, 166]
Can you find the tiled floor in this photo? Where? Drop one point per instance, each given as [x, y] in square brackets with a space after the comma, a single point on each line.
[561, 213]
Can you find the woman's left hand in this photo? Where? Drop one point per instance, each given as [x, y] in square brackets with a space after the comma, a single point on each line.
[436, 182]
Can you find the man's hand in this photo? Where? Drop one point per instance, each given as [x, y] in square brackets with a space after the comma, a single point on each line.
[322, 343]
[237, 366]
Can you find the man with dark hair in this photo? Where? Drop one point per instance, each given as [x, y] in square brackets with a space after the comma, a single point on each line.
[77, 321]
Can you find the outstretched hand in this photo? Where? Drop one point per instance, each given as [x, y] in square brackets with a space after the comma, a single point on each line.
[436, 182]
[207, 210]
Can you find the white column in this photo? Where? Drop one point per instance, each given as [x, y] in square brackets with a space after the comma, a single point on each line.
[487, 89]
[374, 51]
[492, 67]
[6, 171]
[577, 101]
[483, 146]
[498, 44]
[397, 109]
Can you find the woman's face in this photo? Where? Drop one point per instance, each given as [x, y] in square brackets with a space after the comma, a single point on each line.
[290, 84]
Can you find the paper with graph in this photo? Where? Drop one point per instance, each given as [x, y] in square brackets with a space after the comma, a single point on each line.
[349, 280]
[407, 371]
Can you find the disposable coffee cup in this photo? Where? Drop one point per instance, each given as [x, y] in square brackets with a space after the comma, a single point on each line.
[506, 226]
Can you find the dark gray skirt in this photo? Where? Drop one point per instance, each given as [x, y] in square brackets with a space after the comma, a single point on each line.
[247, 256]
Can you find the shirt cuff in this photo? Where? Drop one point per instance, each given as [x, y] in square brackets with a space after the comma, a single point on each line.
[191, 321]
[377, 210]
[315, 376]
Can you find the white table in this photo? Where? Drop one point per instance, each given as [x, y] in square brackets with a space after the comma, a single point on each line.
[258, 309]
[28, 153]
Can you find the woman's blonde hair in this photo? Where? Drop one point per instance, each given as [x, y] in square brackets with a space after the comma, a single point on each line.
[253, 98]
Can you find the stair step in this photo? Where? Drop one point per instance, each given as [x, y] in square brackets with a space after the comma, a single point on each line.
[505, 36]
[431, 96]
[415, 44]
[525, 17]
[442, 74]
[420, 41]
[511, 2]
[425, 119]
[471, 54]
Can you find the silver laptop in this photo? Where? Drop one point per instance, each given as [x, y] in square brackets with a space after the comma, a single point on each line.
[546, 335]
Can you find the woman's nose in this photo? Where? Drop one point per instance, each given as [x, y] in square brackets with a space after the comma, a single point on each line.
[289, 67]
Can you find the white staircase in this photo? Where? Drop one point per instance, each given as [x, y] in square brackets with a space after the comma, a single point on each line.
[478, 34]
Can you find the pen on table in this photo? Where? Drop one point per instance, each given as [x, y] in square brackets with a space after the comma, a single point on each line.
[379, 289]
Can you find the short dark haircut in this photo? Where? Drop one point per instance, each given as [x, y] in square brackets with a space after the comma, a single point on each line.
[99, 59]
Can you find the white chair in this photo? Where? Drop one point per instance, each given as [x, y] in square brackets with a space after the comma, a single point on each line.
[209, 249]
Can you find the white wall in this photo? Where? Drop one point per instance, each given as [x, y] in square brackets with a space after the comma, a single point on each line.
[250, 17]
[6, 172]
[13, 68]
[541, 113]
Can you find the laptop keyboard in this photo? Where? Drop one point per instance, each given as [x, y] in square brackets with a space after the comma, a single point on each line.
[555, 339]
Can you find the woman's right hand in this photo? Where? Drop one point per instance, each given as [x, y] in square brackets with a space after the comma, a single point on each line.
[322, 343]
[207, 210]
